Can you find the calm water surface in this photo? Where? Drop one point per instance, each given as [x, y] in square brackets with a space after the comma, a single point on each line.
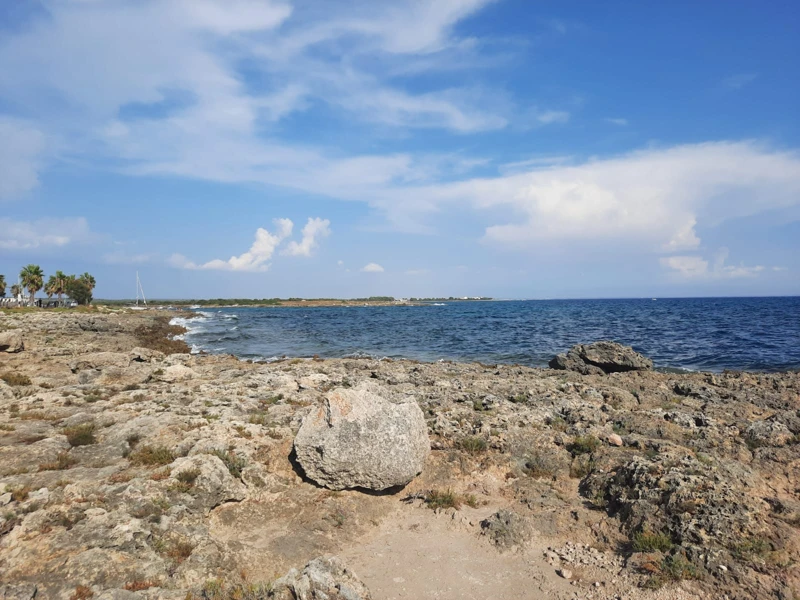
[693, 333]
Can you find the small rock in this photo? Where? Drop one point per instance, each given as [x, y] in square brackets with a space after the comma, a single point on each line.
[565, 573]
[614, 440]
[324, 578]
[11, 341]
[506, 529]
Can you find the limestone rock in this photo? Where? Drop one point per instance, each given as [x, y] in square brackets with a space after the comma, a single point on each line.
[99, 361]
[601, 357]
[356, 438]
[615, 440]
[324, 578]
[768, 433]
[11, 341]
[506, 529]
[213, 484]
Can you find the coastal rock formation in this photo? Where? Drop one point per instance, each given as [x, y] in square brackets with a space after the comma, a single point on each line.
[124, 477]
[324, 578]
[601, 357]
[359, 439]
[11, 341]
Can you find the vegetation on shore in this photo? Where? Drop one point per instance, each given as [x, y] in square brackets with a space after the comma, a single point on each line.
[31, 279]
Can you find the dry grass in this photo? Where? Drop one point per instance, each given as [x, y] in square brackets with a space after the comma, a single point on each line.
[62, 462]
[152, 456]
[80, 435]
[137, 585]
[82, 593]
[443, 499]
[16, 379]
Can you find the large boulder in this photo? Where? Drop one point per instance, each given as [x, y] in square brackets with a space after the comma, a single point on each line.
[356, 438]
[11, 341]
[601, 357]
[324, 578]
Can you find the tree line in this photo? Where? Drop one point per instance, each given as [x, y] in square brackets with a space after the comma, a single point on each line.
[31, 279]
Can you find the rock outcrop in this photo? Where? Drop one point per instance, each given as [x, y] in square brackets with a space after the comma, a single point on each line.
[601, 357]
[356, 438]
[11, 341]
[324, 578]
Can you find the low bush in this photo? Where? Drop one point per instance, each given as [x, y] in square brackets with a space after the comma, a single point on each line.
[152, 456]
[646, 541]
[584, 444]
[62, 462]
[235, 464]
[16, 379]
[472, 444]
[80, 435]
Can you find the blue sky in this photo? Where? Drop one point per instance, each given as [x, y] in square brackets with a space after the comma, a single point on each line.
[509, 148]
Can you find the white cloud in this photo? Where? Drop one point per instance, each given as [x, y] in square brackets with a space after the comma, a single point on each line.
[43, 233]
[617, 121]
[687, 266]
[254, 260]
[372, 268]
[314, 229]
[695, 267]
[738, 81]
[553, 116]
[655, 199]
[21, 148]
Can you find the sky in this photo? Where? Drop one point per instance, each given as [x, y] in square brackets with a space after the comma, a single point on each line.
[331, 148]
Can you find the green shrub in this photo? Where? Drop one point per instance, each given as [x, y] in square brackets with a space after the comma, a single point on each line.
[188, 476]
[151, 456]
[234, 463]
[442, 499]
[80, 435]
[472, 444]
[645, 541]
[584, 444]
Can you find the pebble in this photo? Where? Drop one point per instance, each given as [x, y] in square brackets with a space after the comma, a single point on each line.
[565, 573]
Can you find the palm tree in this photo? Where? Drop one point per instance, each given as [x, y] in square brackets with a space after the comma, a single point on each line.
[16, 290]
[32, 278]
[2, 286]
[50, 286]
[59, 284]
[88, 281]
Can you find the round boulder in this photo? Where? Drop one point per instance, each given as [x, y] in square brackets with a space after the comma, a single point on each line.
[357, 438]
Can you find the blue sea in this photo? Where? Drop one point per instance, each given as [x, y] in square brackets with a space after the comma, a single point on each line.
[708, 334]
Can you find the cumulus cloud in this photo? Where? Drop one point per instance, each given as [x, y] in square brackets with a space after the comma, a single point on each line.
[314, 230]
[372, 268]
[43, 233]
[655, 199]
[696, 267]
[254, 260]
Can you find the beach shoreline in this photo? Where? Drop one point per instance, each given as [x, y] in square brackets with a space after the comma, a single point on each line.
[639, 484]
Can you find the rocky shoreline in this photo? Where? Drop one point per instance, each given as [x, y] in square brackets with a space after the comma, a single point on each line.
[131, 469]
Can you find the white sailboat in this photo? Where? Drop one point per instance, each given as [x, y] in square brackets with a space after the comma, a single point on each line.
[139, 292]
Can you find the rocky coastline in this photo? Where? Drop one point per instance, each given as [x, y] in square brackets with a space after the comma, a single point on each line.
[132, 469]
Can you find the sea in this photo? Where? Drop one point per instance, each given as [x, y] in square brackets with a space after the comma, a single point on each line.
[692, 334]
